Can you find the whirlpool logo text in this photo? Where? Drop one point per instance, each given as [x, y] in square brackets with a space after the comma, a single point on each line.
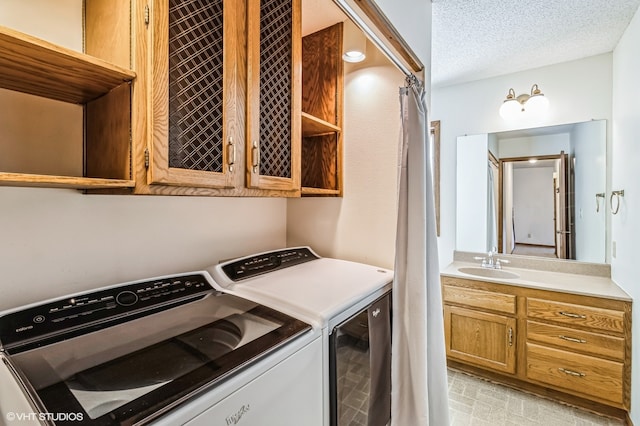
[235, 418]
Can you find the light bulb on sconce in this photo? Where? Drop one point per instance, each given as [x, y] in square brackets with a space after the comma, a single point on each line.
[354, 43]
[514, 106]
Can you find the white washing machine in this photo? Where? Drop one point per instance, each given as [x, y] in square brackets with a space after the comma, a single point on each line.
[169, 350]
[349, 301]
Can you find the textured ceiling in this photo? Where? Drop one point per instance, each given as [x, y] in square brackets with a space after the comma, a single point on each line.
[475, 39]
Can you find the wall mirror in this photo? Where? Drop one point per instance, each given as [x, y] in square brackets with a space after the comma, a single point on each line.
[536, 192]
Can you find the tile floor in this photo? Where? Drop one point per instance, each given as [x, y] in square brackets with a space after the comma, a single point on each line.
[353, 382]
[475, 402]
[472, 401]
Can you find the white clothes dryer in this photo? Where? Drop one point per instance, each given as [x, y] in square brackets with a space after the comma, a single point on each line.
[349, 301]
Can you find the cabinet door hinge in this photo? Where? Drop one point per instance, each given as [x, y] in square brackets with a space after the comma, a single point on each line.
[146, 14]
[146, 158]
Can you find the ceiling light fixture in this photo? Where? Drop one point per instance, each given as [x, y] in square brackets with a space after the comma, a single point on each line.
[514, 106]
[354, 43]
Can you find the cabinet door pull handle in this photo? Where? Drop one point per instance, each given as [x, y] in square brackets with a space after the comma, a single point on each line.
[571, 372]
[510, 336]
[231, 154]
[572, 339]
[572, 315]
[255, 156]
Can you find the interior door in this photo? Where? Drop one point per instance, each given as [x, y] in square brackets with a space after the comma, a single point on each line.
[563, 231]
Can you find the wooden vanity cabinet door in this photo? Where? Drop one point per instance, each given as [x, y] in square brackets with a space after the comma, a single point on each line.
[480, 338]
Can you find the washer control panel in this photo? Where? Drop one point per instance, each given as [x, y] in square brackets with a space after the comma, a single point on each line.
[267, 262]
[77, 311]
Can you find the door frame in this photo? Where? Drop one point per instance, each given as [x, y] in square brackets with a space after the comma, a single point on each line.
[501, 191]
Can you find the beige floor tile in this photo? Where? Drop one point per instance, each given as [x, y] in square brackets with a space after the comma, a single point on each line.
[476, 402]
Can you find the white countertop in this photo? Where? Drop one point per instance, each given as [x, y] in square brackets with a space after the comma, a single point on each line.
[587, 285]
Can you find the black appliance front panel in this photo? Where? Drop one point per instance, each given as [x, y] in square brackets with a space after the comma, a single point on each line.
[360, 355]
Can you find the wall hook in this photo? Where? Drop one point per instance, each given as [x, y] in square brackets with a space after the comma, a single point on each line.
[598, 196]
[616, 194]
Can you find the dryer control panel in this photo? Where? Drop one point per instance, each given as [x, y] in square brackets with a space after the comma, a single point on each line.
[267, 262]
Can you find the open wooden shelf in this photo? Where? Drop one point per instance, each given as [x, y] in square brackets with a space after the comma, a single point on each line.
[322, 93]
[23, 179]
[319, 191]
[313, 126]
[36, 67]
[31, 65]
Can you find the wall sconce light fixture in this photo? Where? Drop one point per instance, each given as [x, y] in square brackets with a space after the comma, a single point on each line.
[514, 106]
[354, 43]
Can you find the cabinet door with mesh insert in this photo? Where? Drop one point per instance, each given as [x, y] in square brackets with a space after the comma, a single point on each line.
[195, 83]
[274, 94]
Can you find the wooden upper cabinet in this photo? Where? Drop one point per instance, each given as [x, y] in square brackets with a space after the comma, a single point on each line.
[213, 78]
[273, 94]
[194, 108]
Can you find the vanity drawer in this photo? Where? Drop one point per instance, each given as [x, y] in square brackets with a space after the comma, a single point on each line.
[581, 315]
[578, 340]
[490, 300]
[575, 373]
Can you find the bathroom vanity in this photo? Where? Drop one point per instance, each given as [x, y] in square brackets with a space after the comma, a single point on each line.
[558, 329]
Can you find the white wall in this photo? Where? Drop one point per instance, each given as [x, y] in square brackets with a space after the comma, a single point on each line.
[625, 225]
[53, 242]
[361, 226]
[472, 108]
[412, 19]
[471, 200]
[59, 23]
[533, 146]
[590, 179]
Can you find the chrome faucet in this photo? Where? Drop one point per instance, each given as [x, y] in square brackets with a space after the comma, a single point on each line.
[491, 261]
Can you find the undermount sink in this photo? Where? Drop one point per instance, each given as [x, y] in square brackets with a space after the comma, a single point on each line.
[489, 273]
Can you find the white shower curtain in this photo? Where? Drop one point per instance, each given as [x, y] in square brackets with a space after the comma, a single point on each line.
[418, 373]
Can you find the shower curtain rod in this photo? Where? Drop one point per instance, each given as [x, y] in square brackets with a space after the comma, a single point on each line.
[379, 19]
